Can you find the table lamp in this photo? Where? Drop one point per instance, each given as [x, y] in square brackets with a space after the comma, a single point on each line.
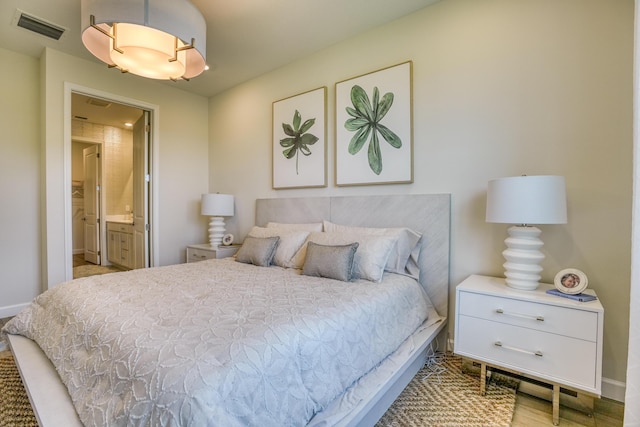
[525, 200]
[217, 206]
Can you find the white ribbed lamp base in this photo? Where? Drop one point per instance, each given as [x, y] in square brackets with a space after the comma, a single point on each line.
[522, 269]
[216, 231]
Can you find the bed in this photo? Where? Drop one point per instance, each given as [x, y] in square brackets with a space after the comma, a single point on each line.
[347, 331]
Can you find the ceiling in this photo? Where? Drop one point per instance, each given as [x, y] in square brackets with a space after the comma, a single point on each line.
[245, 38]
[95, 110]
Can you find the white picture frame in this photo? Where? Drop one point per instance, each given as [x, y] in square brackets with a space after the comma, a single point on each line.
[571, 281]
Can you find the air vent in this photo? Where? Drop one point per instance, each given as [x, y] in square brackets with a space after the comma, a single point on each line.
[38, 25]
[98, 102]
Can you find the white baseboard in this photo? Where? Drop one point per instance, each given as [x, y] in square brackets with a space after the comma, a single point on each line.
[609, 390]
[614, 390]
[12, 310]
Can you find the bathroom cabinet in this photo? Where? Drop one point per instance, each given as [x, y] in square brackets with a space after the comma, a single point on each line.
[120, 244]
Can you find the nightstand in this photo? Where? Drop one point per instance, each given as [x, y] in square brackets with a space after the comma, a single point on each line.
[205, 251]
[552, 339]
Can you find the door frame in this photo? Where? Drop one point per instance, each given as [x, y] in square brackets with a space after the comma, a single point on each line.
[69, 88]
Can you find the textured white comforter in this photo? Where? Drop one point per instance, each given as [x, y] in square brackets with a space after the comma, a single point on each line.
[216, 342]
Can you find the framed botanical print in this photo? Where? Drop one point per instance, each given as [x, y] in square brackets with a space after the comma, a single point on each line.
[299, 140]
[374, 127]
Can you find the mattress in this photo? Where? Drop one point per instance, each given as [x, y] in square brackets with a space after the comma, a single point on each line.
[217, 342]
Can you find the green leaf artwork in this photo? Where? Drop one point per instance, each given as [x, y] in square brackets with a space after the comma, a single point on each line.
[365, 121]
[298, 139]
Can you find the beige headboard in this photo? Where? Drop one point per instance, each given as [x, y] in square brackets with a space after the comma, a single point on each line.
[429, 214]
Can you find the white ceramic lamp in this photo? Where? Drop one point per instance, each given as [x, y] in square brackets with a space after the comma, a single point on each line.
[217, 206]
[525, 200]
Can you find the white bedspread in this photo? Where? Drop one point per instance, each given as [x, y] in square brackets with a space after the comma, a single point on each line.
[216, 342]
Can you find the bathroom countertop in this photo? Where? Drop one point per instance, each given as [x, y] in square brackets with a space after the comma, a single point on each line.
[120, 219]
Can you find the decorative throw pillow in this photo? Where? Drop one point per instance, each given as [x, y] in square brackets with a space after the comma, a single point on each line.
[333, 262]
[406, 242]
[257, 250]
[290, 242]
[370, 258]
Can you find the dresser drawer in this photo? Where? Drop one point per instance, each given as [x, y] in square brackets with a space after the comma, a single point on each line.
[563, 359]
[199, 254]
[205, 251]
[574, 323]
[120, 227]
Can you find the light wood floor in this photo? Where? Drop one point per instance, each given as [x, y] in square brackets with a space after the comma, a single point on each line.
[532, 411]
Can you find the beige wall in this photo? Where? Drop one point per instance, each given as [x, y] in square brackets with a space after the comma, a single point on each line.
[33, 168]
[180, 155]
[501, 88]
[19, 181]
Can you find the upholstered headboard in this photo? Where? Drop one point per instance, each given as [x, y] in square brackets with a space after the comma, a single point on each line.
[427, 213]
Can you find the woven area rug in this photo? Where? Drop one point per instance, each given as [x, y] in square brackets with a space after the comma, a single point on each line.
[440, 395]
[15, 409]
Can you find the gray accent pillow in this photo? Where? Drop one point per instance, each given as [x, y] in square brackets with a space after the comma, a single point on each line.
[258, 250]
[332, 262]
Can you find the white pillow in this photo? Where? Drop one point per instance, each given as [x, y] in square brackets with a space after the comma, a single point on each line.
[406, 241]
[310, 227]
[370, 258]
[290, 243]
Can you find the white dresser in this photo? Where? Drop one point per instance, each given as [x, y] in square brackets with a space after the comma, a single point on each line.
[549, 338]
[205, 251]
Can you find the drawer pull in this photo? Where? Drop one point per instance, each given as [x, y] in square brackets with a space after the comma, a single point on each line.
[524, 316]
[535, 353]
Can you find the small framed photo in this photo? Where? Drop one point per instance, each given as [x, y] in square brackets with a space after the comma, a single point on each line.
[571, 281]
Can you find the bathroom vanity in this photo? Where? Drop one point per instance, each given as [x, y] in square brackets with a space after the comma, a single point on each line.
[120, 243]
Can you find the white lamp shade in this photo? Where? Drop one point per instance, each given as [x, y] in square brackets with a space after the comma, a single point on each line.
[177, 18]
[527, 200]
[217, 204]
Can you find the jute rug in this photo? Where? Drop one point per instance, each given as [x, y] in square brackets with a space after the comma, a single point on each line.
[15, 409]
[440, 396]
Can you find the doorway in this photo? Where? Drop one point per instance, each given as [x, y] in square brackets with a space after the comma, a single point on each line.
[111, 178]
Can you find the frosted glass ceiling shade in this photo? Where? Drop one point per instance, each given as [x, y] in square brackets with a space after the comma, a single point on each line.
[159, 39]
[217, 206]
[525, 200]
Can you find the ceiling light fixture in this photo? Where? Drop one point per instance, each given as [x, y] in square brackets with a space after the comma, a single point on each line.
[158, 39]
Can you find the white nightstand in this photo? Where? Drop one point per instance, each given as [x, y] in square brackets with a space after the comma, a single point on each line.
[552, 339]
[205, 251]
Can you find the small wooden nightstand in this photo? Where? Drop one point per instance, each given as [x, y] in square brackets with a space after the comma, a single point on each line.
[549, 338]
[205, 251]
